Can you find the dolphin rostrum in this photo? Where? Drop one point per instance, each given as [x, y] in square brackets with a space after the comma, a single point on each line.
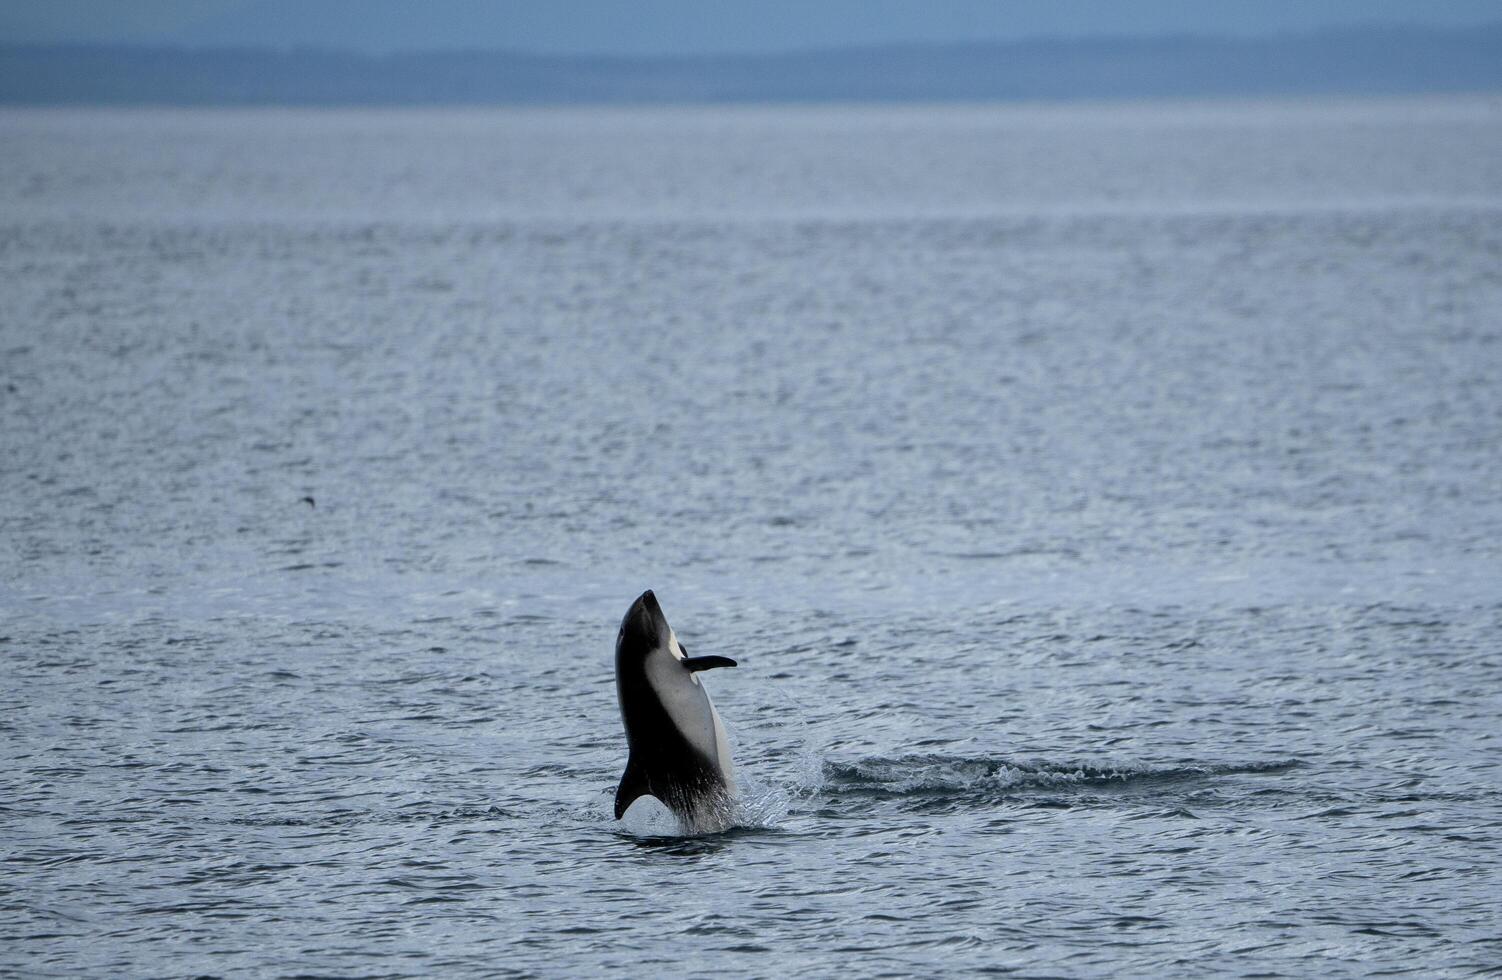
[678, 750]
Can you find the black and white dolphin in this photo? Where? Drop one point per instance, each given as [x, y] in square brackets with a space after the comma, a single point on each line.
[678, 750]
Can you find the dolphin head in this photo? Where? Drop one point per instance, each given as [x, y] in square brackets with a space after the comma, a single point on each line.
[643, 629]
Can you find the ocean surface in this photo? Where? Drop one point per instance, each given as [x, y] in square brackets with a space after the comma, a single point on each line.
[1104, 504]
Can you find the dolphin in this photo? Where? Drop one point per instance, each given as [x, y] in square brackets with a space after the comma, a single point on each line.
[678, 750]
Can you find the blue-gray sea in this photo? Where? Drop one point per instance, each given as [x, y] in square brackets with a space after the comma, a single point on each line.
[1103, 502]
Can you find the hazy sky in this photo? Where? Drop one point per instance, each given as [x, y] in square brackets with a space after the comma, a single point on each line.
[685, 26]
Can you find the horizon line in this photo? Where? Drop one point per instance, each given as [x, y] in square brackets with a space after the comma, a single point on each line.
[1038, 40]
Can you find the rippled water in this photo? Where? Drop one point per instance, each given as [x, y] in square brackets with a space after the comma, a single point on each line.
[1101, 503]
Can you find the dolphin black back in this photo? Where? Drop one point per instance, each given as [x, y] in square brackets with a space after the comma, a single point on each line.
[662, 762]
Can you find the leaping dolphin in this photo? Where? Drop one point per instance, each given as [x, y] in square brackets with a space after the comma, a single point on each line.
[678, 749]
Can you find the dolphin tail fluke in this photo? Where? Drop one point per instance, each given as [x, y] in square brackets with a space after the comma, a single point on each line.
[633, 787]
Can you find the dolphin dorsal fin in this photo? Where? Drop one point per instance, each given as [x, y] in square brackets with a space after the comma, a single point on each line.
[633, 787]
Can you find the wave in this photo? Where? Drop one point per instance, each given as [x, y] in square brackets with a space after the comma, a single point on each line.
[435, 815]
[943, 776]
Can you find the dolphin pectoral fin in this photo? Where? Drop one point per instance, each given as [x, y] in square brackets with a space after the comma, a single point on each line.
[633, 786]
[706, 663]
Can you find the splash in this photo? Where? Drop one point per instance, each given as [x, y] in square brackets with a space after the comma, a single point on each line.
[787, 769]
[760, 804]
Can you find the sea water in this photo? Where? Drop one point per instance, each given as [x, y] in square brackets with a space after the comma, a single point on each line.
[1103, 503]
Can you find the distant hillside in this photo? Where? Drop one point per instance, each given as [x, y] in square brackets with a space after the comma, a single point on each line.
[1348, 61]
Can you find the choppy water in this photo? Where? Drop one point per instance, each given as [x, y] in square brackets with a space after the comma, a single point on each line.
[1102, 503]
